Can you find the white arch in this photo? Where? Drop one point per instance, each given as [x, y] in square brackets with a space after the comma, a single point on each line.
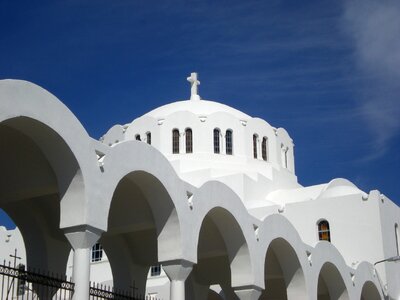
[216, 195]
[141, 157]
[23, 101]
[365, 276]
[326, 255]
[276, 227]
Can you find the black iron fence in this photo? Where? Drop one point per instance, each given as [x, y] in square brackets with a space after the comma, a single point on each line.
[100, 292]
[18, 283]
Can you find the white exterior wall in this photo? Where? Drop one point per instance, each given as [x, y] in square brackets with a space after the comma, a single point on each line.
[354, 225]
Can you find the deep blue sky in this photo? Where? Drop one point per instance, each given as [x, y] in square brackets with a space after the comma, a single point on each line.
[327, 71]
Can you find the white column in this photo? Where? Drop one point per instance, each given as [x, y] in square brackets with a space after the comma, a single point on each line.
[177, 272]
[82, 239]
[248, 292]
[182, 142]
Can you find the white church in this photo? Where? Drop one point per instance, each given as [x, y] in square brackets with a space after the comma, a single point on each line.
[194, 200]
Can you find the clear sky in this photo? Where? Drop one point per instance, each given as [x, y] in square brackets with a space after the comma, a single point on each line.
[327, 71]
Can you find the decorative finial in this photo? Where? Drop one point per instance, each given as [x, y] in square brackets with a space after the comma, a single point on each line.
[194, 83]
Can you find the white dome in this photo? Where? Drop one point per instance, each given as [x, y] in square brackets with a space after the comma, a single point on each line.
[200, 108]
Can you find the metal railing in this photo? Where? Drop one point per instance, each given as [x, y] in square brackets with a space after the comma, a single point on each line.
[21, 284]
[100, 292]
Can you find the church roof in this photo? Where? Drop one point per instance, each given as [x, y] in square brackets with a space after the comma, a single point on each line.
[197, 107]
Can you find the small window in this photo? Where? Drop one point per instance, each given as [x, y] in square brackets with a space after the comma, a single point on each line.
[229, 142]
[255, 145]
[148, 138]
[189, 140]
[137, 137]
[155, 270]
[284, 154]
[324, 233]
[396, 232]
[216, 141]
[264, 150]
[175, 141]
[97, 252]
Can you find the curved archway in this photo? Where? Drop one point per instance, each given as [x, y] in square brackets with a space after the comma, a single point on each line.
[284, 276]
[370, 292]
[42, 172]
[143, 201]
[216, 197]
[221, 248]
[140, 211]
[331, 284]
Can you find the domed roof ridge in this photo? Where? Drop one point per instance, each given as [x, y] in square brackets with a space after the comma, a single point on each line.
[201, 108]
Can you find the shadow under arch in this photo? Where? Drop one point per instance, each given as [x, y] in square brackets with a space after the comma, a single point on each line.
[142, 195]
[367, 283]
[285, 260]
[284, 276]
[141, 212]
[39, 173]
[46, 162]
[370, 292]
[224, 238]
[331, 284]
[332, 278]
[221, 248]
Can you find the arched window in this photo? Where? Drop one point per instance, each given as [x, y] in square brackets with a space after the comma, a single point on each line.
[396, 232]
[148, 138]
[216, 141]
[189, 140]
[137, 137]
[264, 146]
[324, 233]
[175, 141]
[229, 142]
[255, 137]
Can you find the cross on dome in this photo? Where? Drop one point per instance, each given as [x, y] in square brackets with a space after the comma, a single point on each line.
[194, 83]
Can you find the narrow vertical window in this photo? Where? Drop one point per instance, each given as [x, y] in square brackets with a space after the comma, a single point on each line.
[229, 142]
[255, 145]
[284, 151]
[97, 252]
[324, 233]
[137, 137]
[175, 141]
[216, 141]
[396, 232]
[264, 149]
[189, 140]
[148, 138]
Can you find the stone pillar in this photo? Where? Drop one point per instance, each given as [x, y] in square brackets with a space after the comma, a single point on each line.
[82, 239]
[177, 272]
[248, 292]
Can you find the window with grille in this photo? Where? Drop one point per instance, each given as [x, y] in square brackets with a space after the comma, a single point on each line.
[189, 140]
[216, 141]
[97, 252]
[155, 270]
[255, 145]
[324, 233]
[148, 138]
[175, 141]
[229, 142]
[264, 148]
